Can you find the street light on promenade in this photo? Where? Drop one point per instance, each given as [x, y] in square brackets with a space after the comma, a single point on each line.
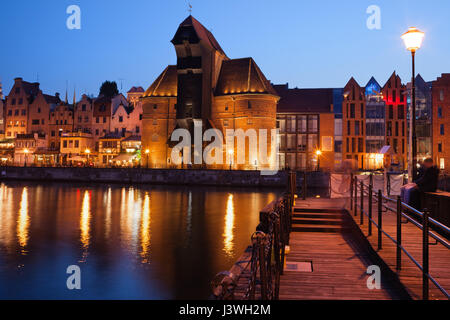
[413, 41]
[26, 156]
[318, 153]
[88, 152]
[147, 152]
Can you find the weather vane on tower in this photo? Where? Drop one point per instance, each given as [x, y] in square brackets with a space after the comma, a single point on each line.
[190, 8]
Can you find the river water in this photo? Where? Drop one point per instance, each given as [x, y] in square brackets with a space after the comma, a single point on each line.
[130, 242]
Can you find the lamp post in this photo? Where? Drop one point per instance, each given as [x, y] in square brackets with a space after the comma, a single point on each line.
[26, 156]
[88, 152]
[147, 152]
[318, 153]
[413, 40]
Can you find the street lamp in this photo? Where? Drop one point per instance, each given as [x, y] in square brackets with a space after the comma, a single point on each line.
[26, 156]
[231, 152]
[413, 40]
[88, 152]
[318, 153]
[147, 152]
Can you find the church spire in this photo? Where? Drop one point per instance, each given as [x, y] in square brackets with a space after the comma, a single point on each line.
[74, 96]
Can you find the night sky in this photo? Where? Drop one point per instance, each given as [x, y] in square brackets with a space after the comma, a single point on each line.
[304, 43]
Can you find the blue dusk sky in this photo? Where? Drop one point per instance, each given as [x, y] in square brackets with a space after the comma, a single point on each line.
[305, 43]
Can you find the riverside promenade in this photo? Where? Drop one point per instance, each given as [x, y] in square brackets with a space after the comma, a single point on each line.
[330, 257]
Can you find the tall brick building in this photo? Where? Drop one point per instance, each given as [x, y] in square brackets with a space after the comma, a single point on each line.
[17, 107]
[441, 121]
[205, 87]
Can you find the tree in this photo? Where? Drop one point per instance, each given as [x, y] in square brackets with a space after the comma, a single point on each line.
[109, 89]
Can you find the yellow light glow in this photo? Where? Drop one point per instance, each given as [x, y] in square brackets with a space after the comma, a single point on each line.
[318, 152]
[23, 221]
[413, 39]
[229, 227]
[147, 151]
[230, 152]
[145, 229]
[85, 219]
[26, 151]
[87, 151]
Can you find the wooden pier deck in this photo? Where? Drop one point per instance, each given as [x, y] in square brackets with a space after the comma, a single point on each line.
[409, 275]
[338, 260]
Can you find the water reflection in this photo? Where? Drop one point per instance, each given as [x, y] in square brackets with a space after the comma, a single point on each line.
[85, 227]
[229, 227]
[145, 229]
[23, 221]
[146, 242]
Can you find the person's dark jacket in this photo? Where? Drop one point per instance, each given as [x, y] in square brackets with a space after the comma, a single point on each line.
[428, 181]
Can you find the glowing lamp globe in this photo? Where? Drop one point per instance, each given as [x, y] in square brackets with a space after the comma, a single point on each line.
[413, 39]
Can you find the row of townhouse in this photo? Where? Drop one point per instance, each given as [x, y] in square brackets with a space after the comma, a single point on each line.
[28, 113]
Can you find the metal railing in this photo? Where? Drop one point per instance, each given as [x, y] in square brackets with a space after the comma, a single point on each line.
[402, 211]
[266, 262]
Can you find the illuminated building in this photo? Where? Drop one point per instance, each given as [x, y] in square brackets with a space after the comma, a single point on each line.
[207, 88]
[441, 121]
[305, 119]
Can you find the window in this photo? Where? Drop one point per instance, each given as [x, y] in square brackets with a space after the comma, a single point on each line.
[104, 119]
[395, 145]
[140, 116]
[83, 107]
[313, 123]
[442, 163]
[360, 145]
[35, 121]
[17, 90]
[155, 106]
[77, 143]
[225, 123]
[403, 129]
[401, 112]
[65, 144]
[391, 112]
[441, 95]
[348, 128]
[13, 102]
[16, 112]
[138, 129]
[20, 101]
[389, 128]
[396, 128]
[441, 129]
[338, 146]
[249, 104]
[291, 123]
[353, 145]
[9, 112]
[394, 95]
[357, 128]
[97, 120]
[440, 147]
[439, 112]
[302, 124]
[120, 119]
[352, 110]
[347, 147]
[226, 107]
[362, 110]
[53, 133]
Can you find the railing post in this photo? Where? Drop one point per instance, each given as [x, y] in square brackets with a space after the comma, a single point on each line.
[370, 207]
[262, 267]
[351, 191]
[304, 185]
[380, 219]
[425, 255]
[356, 197]
[362, 204]
[399, 233]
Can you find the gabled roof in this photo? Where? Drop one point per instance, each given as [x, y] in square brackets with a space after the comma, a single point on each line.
[201, 32]
[394, 76]
[51, 99]
[373, 87]
[304, 100]
[31, 89]
[242, 76]
[165, 85]
[136, 90]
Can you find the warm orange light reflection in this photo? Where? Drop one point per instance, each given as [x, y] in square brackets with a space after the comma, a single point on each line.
[85, 220]
[229, 227]
[145, 229]
[23, 221]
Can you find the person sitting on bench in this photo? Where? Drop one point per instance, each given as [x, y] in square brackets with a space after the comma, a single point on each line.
[427, 181]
